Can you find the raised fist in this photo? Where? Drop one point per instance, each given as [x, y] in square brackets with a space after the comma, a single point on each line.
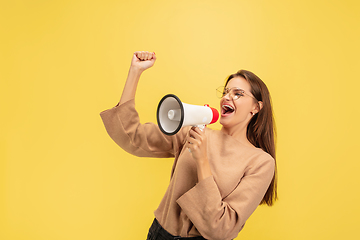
[143, 60]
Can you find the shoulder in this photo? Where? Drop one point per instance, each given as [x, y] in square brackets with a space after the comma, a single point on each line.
[261, 161]
[262, 155]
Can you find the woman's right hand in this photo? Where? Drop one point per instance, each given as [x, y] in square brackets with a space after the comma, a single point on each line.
[139, 63]
[143, 60]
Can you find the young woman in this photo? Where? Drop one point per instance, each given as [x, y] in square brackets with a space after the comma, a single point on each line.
[218, 177]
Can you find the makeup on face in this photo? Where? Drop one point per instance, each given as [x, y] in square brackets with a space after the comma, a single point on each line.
[236, 102]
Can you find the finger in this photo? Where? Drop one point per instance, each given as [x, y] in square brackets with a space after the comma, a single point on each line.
[201, 130]
[197, 130]
[148, 55]
[192, 133]
[192, 148]
[137, 55]
[193, 142]
[188, 146]
[196, 133]
[143, 55]
[151, 55]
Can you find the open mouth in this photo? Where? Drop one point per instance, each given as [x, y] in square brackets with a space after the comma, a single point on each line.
[227, 110]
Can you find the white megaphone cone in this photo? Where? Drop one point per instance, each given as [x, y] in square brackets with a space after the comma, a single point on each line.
[172, 115]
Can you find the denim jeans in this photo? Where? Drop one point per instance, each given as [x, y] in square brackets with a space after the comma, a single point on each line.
[157, 232]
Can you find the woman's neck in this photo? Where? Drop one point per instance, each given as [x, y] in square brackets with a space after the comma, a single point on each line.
[239, 133]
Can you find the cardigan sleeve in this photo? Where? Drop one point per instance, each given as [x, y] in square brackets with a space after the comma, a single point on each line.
[221, 219]
[123, 125]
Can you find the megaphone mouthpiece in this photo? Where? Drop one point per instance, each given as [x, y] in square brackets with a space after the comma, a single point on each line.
[215, 114]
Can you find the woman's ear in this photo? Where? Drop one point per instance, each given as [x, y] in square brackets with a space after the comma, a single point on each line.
[258, 107]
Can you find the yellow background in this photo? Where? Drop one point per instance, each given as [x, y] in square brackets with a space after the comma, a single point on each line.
[63, 62]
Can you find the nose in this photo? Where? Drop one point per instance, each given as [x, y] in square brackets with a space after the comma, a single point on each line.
[227, 96]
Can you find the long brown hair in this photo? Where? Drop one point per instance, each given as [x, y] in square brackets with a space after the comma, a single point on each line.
[261, 130]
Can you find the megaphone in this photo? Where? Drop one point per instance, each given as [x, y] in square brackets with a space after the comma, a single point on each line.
[172, 115]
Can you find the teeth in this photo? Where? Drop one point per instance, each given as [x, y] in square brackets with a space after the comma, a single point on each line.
[227, 106]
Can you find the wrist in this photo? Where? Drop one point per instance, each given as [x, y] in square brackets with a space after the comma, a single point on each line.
[135, 70]
[202, 162]
[203, 169]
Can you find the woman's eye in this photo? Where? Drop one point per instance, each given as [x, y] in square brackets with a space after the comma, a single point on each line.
[239, 94]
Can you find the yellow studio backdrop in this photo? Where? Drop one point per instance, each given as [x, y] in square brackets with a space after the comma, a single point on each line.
[63, 62]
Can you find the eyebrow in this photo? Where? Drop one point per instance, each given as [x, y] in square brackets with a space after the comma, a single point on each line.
[243, 91]
[237, 89]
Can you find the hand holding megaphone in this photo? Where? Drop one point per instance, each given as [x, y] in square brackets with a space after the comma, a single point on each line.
[172, 115]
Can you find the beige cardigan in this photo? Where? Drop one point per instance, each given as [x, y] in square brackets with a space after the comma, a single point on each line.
[216, 207]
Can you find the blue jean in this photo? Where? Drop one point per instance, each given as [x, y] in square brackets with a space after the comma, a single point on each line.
[157, 232]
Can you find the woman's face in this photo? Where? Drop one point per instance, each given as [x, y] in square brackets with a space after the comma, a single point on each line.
[237, 112]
